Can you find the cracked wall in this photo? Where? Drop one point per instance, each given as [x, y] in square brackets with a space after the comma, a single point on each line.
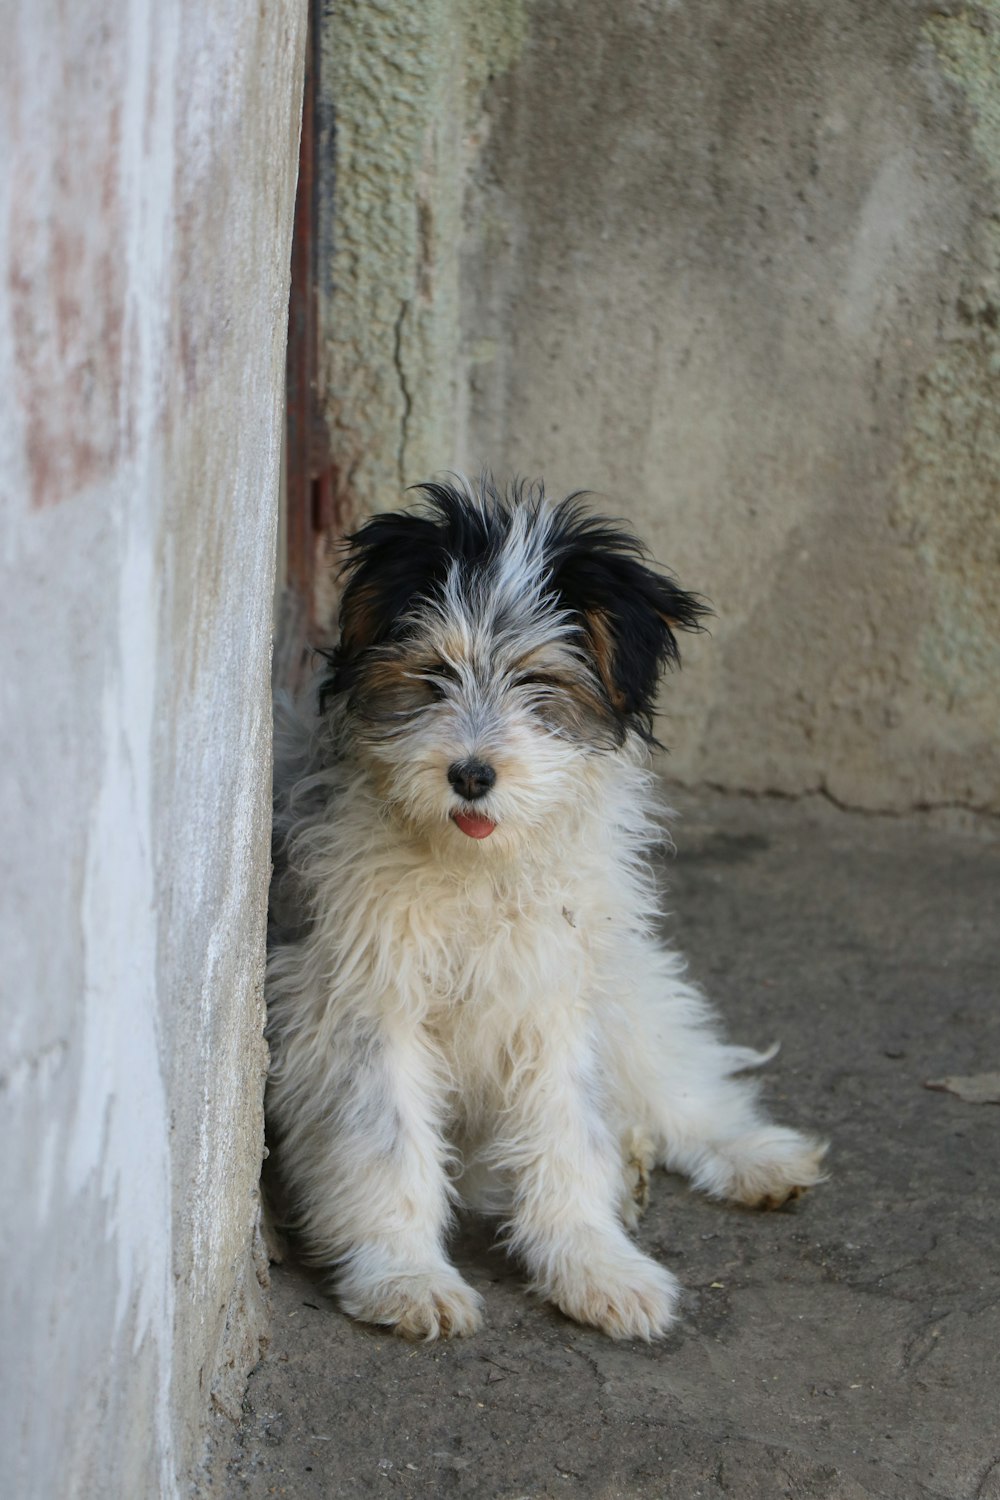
[147, 180]
[401, 85]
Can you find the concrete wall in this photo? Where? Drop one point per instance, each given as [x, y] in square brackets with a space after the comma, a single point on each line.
[736, 266]
[400, 87]
[147, 176]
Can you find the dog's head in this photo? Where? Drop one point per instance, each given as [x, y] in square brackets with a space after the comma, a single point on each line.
[491, 645]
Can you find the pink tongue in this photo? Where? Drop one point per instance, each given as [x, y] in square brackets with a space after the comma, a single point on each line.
[476, 827]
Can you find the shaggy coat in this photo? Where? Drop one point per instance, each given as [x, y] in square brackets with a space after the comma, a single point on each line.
[467, 998]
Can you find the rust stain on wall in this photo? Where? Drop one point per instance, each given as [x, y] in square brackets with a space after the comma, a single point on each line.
[65, 274]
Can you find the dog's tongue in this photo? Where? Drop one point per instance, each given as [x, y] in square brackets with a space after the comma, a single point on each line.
[474, 825]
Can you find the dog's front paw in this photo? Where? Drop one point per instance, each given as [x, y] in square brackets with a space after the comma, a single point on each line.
[771, 1166]
[419, 1305]
[614, 1288]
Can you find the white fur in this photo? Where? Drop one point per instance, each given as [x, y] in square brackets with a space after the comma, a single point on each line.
[491, 1021]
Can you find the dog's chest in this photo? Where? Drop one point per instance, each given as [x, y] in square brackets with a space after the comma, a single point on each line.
[485, 943]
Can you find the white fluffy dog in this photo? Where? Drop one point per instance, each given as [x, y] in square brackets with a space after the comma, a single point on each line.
[467, 999]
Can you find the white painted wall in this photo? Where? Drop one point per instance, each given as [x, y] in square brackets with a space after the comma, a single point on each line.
[147, 176]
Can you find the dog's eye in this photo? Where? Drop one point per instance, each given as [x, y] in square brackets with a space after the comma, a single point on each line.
[533, 680]
[435, 679]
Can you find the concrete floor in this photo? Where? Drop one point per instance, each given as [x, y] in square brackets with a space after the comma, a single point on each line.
[847, 1347]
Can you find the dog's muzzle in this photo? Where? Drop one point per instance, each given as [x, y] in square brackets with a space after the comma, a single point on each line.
[472, 779]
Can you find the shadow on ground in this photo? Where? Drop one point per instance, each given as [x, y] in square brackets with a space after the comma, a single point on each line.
[848, 1347]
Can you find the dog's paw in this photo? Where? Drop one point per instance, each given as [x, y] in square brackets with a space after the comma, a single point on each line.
[771, 1166]
[638, 1157]
[616, 1289]
[419, 1305]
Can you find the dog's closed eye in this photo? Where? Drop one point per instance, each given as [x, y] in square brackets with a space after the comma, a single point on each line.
[436, 678]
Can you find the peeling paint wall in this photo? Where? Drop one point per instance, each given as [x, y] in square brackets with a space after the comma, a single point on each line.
[735, 269]
[147, 177]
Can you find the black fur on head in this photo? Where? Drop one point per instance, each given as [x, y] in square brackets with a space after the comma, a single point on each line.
[630, 611]
[591, 568]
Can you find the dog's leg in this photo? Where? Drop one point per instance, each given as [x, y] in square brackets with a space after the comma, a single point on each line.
[368, 1175]
[564, 1165]
[675, 1078]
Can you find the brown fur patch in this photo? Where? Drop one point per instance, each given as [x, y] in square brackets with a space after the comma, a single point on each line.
[358, 620]
[389, 685]
[604, 656]
[778, 1200]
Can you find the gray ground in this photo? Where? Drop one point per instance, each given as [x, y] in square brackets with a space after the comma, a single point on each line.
[846, 1347]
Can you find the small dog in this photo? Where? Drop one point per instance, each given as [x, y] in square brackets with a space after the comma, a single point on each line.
[467, 1000]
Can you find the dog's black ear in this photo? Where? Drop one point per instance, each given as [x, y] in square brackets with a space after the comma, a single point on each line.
[392, 560]
[629, 611]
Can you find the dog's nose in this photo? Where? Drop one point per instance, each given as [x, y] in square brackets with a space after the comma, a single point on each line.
[471, 778]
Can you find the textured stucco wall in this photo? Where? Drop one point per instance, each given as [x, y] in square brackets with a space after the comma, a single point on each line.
[147, 176]
[401, 85]
[737, 267]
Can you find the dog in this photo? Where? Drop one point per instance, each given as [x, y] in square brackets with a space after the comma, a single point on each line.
[468, 1003]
